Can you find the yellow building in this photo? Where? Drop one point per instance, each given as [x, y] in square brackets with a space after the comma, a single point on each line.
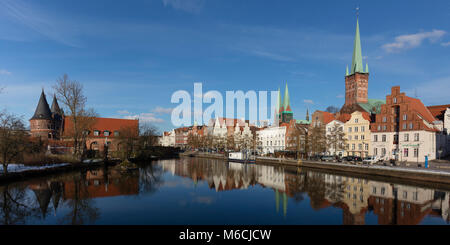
[357, 133]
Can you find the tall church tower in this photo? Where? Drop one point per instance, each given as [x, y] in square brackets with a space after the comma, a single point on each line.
[357, 80]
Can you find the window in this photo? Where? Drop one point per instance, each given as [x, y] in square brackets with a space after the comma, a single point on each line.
[375, 151]
[353, 146]
[415, 196]
[395, 100]
[349, 129]
[362, 129]
[106, 133]
[356, 129]
[379, 128]
[349, 137]
[384, 127]
[356, 137]
[383, 151]
[374, 190]
[416, 137]
[410, 125]
[362, 137]
[406, 137]
[366, 147]
[375, 138]
[96, 133]
[382, 190]
[416, 152]
[360, 147]
[384, 119]
[383, 138]
[356, 120]
[405, 194]
[405, 152]
[404, 126]
[116, 133]
[405, 117]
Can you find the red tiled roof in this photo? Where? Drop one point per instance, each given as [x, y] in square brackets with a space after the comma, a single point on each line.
[104, 124]
[344, 117]
[438, 110]
[327, 117]
[366, 115]
[419, 107]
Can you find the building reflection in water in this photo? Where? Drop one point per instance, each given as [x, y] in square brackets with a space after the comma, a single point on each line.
[71, 198]
[391, 203]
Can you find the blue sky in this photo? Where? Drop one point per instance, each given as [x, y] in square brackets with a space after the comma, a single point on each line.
[131, 56]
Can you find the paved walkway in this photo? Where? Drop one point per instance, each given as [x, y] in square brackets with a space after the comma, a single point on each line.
[433, 165]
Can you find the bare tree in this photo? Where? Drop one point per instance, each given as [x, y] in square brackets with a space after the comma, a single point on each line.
[317, 140]
[128, 139]
[332, 109]
[70, 93]
[13, 138]
[298, 140]
[336, 139]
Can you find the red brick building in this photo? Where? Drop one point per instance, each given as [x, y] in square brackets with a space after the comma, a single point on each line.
[53, 125]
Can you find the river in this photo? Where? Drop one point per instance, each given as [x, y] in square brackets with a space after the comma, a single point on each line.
[206, 191]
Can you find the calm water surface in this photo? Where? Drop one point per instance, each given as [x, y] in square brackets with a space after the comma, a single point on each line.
[205, 191]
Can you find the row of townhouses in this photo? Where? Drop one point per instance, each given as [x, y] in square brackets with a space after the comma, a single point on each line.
[396, 127]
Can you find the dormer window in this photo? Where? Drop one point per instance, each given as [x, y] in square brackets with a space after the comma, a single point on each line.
[96, 133]
[116, 133]
[106, 133]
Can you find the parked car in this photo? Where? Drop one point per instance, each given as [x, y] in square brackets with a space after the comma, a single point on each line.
[371, 160]
[347, 159]
[327, 158]
[357, 159]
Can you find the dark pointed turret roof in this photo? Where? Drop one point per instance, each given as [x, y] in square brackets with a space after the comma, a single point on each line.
[55, 107]
[42, 109]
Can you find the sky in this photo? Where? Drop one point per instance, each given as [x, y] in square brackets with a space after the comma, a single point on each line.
[131, 56]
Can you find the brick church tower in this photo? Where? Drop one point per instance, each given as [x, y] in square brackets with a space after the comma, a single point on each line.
[357, 80]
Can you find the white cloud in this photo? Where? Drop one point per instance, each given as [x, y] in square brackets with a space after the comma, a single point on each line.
[445, 44]
[145, 117]
[190, 6]
[340, 96]
[308, 101]
[412, 40]
[161, 110]
[123, 112]
[5, 72]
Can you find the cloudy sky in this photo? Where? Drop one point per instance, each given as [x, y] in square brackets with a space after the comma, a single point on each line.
[132, 56]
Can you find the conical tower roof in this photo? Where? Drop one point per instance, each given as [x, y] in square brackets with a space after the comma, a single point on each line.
[42, 109]
[357, 65]
[55, 109]
[287, 106]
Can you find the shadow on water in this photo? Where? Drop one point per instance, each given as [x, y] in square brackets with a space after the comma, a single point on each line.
[302, 196]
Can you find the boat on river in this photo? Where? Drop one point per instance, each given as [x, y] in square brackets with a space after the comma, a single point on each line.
[241, 157]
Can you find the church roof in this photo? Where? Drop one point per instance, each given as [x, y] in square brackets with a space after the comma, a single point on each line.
[357, 64]
[42, 109]
[373, 105]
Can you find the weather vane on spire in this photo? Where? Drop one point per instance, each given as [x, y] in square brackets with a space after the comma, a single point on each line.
[357, 11]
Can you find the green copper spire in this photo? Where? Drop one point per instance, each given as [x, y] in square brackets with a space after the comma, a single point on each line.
[346, 71]
[286, 98]
[367, 67]
[357, 65]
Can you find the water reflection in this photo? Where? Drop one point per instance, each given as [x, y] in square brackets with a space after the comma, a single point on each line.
[391, 203]
[265, 194]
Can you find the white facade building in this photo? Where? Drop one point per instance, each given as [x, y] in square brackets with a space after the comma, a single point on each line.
[271, 139]
[168, 139]
[329, 129]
